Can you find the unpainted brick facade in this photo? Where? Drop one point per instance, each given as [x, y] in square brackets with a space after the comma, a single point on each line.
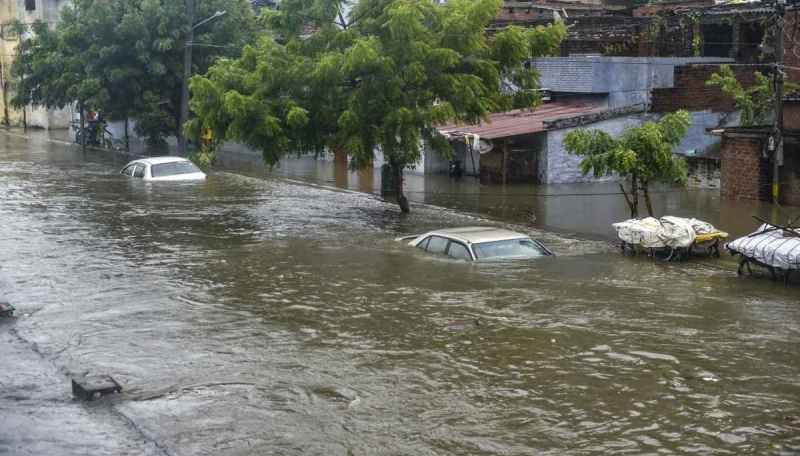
[690, 91]
[744, 174]
[791, 115]
[790, 175]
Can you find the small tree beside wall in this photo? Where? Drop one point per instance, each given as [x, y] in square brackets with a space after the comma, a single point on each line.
[640, 156]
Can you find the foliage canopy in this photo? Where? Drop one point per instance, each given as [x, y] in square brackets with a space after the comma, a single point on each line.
[757, 102]
[381, 77]
[124, 57]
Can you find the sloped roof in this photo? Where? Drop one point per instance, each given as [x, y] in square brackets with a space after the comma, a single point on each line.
[521, 122]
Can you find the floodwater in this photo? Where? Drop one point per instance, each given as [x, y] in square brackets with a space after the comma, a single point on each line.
[257, 315]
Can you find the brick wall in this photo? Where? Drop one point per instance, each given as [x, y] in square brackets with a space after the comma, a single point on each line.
[791, 115]
[743, 173]
[608, 35]
[703, 172]
[653, 9]
[790, 174]
[791, 50]
[522, 166]
[690, 91]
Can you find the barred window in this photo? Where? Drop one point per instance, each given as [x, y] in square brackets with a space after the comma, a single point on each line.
[30, 5]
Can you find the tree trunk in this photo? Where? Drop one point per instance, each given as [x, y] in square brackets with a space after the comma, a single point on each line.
[402, 201]
[83, 127]
[127, 138]
[634, 202]
[627, 198]
[647, 201]
[505, 162]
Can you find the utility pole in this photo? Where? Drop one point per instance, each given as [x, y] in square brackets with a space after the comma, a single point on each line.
[4, 88]
[777, 129]
[187, 73]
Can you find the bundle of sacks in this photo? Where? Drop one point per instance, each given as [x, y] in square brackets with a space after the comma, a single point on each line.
[668, 231]
[769, 245]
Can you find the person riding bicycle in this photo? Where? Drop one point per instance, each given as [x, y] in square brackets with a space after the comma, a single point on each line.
[95, 128]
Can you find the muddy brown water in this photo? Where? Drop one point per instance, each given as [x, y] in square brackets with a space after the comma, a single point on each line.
[255, 315]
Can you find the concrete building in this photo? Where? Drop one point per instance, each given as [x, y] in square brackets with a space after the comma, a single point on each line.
[27, 12]
[606, 93]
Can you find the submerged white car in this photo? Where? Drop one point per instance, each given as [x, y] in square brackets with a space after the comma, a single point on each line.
[477, 243]
[163, 169]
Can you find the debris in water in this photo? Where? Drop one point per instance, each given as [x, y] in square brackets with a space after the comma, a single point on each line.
[90, 388]
[6, 310]
[461, 325]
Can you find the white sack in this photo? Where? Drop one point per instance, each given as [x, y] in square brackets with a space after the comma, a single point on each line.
[773, 248]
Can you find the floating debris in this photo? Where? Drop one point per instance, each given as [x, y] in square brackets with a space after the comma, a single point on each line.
[91, 388]
[6, 310]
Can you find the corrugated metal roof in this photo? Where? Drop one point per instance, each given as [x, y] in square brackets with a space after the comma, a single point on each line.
[521, 122]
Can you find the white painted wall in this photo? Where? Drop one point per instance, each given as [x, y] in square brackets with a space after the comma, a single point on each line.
[561, 167]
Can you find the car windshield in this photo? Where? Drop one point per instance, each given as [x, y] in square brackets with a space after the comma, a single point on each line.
[170, 169]
[510, 248]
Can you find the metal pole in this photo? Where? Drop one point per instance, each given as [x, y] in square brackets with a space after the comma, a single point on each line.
[187, 73]
[4, 83]
[778, 126]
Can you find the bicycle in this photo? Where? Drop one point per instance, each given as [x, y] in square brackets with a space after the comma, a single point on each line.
[105, 139]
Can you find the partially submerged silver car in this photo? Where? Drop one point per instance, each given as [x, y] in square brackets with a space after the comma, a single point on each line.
[477, 243]
[163, 169]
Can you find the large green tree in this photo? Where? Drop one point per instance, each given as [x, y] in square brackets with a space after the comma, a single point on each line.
[641, 155]
[125, 57]
[380, 77]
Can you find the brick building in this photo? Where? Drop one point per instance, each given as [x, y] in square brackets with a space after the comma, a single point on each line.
[747, 166]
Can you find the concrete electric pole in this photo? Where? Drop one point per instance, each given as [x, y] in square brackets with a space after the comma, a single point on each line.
[187, 73]
[187, 69]
[777, 129]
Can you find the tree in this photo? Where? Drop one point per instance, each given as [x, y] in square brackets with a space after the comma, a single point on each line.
[379, 78]
[641, 155]
[124, 57]
[756, 102]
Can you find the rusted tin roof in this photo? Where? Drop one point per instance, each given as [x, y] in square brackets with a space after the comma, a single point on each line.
[521, 122]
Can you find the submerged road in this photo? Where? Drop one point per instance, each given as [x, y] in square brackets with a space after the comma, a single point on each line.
[249, 316]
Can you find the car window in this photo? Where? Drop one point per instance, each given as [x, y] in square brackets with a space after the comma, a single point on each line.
[128, 170]
[511, 248]
[139, 171]
[424, 243]
[436, 244]
[171, 169]
[459, 251]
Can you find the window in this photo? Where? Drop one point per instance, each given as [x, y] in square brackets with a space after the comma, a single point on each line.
[139, 172]
[512, 248]
[437, 244]
[170, 169]
[9, 32]
[424, 244]
[128, 170]
[30, 5]
[458, 251]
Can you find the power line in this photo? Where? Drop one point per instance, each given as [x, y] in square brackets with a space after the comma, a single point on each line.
[547, 195]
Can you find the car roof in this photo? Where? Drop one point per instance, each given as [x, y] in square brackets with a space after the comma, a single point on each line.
[476, 234]
[159, 160]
